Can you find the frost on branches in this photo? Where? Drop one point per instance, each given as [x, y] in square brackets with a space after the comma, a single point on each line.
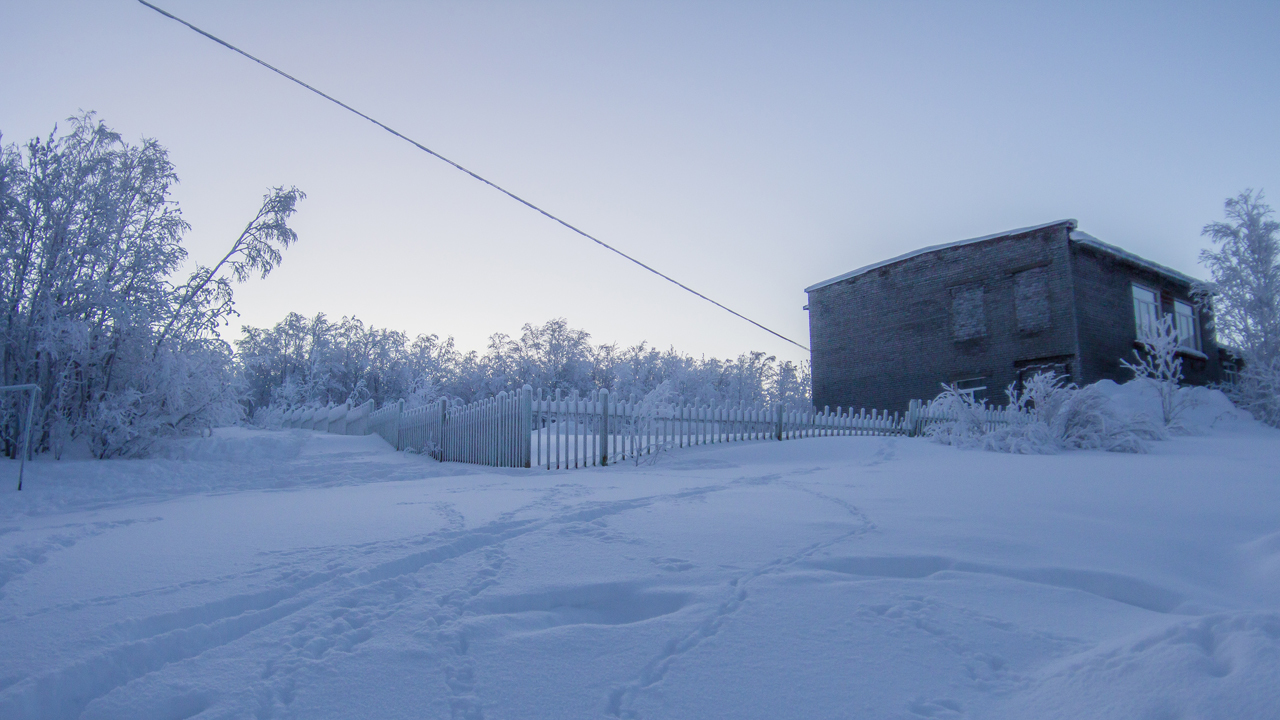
[1245, 292]
[1048, 415]
[316, 361]
[124, 352]
[1158, 365]
[642, 427]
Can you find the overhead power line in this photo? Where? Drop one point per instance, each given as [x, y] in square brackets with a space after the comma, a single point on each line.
[490, 183]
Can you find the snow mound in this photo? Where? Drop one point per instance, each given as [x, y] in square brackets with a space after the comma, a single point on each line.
[1263, 557]
[1206, 410]
[1210, 667]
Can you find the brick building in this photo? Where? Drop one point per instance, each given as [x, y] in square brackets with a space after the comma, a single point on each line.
[989, 311]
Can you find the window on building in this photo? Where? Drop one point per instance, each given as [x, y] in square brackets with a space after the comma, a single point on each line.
[973, 386]
[1184, 316]
[1031, 299]
[1059, 365]
[1231, 370]
[1146, 310]
[968, 320]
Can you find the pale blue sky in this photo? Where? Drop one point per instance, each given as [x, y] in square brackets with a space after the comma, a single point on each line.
[749, 149]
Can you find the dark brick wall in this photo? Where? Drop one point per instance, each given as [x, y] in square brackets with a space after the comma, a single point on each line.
[1104, 304]
[886, 337]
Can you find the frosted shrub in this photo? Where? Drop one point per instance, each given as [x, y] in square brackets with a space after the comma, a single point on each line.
[642, 429]
[1048, 415]
[167, 395]
[958, 418]
[1159, 366]
[1258, 391]
[269, 418]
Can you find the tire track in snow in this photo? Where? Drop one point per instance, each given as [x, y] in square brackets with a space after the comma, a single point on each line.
[176, 636]
[24, 557]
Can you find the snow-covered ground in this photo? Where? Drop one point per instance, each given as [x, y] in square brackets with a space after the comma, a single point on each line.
[297, 575]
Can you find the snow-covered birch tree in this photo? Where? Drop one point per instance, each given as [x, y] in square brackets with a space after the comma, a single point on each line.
[1245, 292]
[90, 242]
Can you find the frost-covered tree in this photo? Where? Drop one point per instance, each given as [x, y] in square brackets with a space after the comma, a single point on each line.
[1245, 266]
[642, 429]
[1159, 366]
[89, 245]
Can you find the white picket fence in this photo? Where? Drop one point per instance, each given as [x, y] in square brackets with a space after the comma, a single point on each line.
[569, 431]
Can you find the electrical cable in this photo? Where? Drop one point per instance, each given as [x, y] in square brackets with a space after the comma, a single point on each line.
[491, 184]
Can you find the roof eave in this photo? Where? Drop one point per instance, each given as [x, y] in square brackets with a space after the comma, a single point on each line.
[1084, 238]
[1071, 223]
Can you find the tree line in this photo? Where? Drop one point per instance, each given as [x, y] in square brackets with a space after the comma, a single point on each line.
[315, 361]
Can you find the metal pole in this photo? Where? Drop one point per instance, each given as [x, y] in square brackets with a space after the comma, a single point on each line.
[604, 427]
[26, 437]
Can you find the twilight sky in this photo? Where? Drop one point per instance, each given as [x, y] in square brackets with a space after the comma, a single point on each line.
[748, 149]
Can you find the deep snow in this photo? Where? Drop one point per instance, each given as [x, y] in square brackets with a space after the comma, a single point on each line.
[300, 575]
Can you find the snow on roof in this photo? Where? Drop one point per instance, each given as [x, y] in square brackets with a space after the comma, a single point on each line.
[1085, 238]
[933, 248]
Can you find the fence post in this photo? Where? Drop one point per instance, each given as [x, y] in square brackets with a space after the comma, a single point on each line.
[913, 417]
[444, 415]
[526, 427]
[399, 413]
[777, 432]
[604, 427]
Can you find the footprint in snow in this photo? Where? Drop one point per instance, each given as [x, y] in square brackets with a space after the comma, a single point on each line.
[672, 564]
[937, 708]
[886, 452]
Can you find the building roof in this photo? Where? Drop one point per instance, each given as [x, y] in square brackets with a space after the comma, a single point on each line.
[1084, 238]
[933, 248]
[1077, 236]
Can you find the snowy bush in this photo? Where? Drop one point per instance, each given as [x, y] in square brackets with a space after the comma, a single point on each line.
[1048, 415]
[1159, 366]
[1258, 391]
[642, 428]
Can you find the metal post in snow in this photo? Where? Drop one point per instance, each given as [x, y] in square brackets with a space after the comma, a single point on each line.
[604, 427]
[26, 436]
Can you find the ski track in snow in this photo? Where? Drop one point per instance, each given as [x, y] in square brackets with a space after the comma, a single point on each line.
[22, 558]
[318, 606]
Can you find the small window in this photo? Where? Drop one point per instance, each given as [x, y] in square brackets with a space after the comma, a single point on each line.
[1231, 370]
[976, 387]
[1184, 315]
[1146, 311]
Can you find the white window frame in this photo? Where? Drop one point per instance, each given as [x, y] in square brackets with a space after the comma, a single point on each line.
[969, 386]
[1188, 325]
[1146, 312]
